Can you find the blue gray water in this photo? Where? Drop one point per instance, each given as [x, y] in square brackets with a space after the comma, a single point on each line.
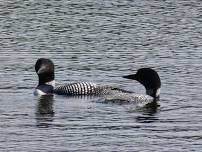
[100, 41]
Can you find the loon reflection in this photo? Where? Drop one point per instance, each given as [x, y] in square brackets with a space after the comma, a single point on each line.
[44, 111]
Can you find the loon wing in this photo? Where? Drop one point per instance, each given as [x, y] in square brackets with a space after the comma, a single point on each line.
[79, 88]
[122, 97]
[83, 88]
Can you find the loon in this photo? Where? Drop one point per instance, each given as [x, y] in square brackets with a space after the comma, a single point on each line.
[150, 79]
[146, 76]
[46, 86]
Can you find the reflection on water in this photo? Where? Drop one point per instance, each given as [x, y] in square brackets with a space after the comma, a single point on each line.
[148, 112]
[151, 108]
[45, 111]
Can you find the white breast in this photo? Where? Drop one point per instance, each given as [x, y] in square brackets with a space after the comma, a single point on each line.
[38, 92]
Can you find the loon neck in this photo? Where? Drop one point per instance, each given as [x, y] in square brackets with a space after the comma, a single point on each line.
[155, 93]
[51, 83]
[46, 79]
[45, 88]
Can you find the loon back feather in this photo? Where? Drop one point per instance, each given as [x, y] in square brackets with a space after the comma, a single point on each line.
[83, 88]
[129, 98]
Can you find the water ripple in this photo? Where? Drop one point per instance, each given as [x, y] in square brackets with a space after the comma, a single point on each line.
[100, 41]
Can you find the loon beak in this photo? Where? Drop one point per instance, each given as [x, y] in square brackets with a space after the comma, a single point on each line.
[132, 76]
[42, 70]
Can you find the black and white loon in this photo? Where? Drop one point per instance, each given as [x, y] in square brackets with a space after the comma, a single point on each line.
[150, 79]
[146, 76]
[45, 71]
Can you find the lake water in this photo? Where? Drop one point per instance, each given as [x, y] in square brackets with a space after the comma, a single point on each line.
[100, 41]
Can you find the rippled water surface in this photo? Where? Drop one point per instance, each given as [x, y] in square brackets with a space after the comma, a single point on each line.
[100, 41]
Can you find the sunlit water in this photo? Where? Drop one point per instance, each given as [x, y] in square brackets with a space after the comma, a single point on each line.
[100, 41]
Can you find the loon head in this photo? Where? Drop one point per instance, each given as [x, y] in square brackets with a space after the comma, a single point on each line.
[150, 79]
[45, 71]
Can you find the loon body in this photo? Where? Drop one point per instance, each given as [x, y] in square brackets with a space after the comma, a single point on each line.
[45, 71]
[146, 76]
[83, 88]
